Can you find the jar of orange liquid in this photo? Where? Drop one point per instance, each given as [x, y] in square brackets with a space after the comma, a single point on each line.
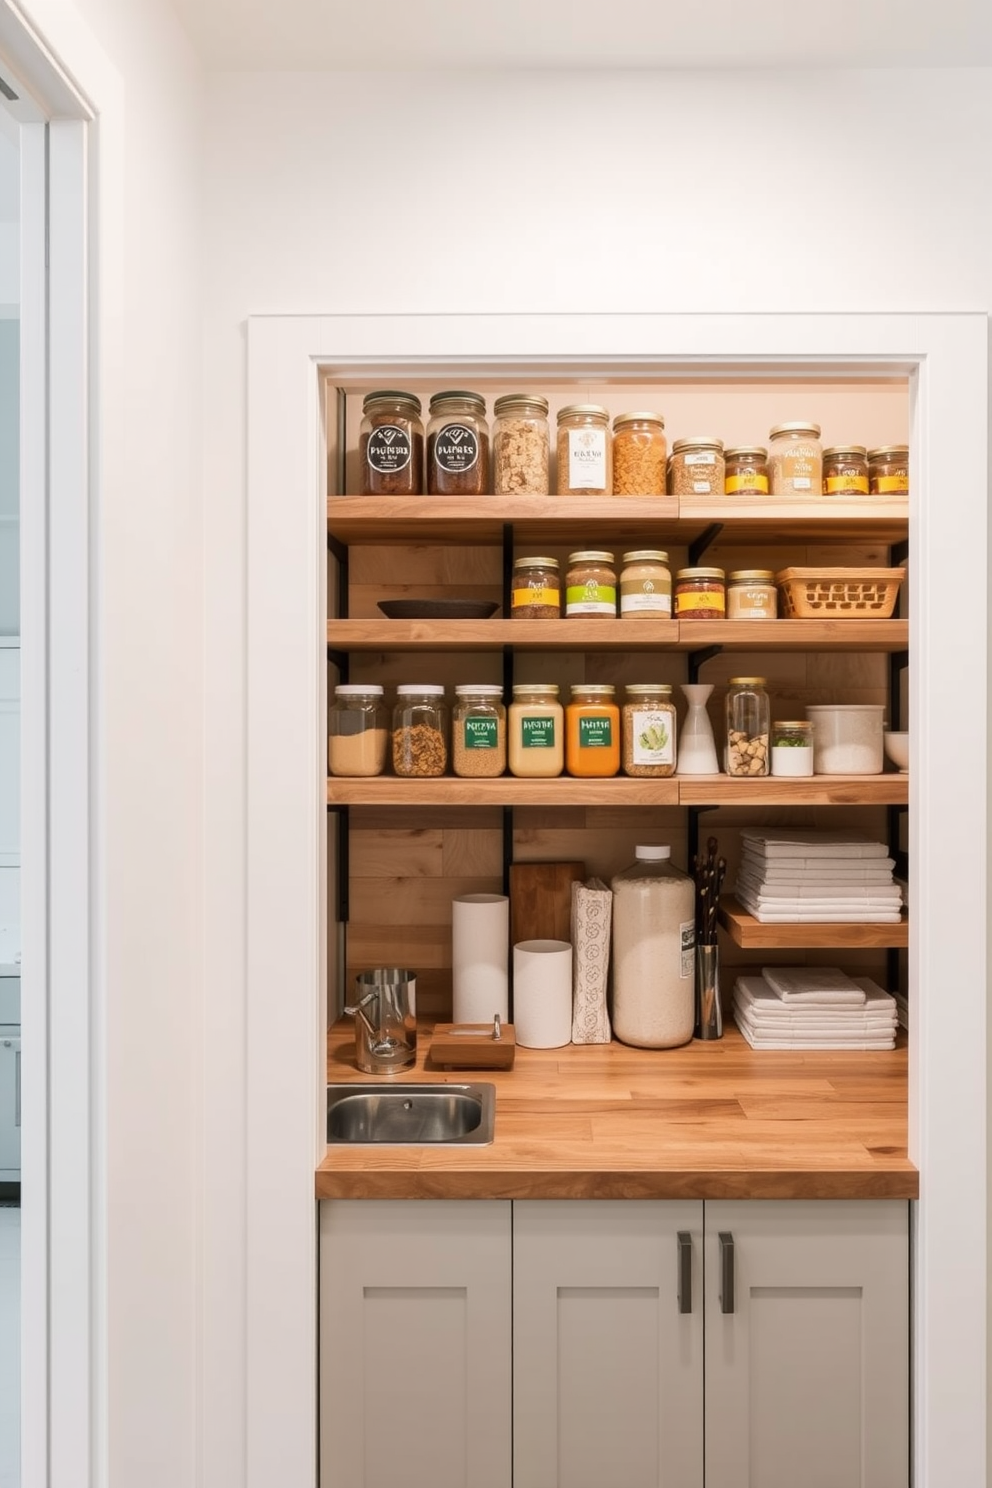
[592, 731]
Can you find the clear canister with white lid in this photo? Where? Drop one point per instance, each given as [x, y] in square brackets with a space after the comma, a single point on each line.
[357, 730]
[536, 730]
[420, 730]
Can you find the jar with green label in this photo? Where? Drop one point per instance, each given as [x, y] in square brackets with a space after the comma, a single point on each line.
[537, 731]
[478, 731]
[648, 730]
[591, 585]
[592, 730]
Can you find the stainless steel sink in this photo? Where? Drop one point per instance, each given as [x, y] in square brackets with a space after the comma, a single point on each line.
[411, 1115]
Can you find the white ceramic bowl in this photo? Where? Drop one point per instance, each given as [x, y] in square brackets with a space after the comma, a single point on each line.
[897, 749]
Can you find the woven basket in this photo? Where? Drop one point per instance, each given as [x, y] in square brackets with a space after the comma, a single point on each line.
[839, 593]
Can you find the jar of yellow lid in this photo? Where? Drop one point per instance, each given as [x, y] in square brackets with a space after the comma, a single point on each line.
[592, 731]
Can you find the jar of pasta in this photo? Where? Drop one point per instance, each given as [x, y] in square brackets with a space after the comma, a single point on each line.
[646, 585]
[845, 470]
[888, 470]
[746, 470]
[751, 594]
[457, 445]
[521, 445]
[697, 467]
[648, 730]
[535, 590]
[592, 730]
[640, 454]
[795, 460]
[585, 451]
[478, 731]
[700, 594]
[391, 444]
[536, 729]
[591, 585]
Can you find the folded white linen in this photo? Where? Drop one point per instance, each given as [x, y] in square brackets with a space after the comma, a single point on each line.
[827, 872]
[759, 1041]
[820, 985]
[852, 892]
[799, 912]
[763, 1005]
[781, 842]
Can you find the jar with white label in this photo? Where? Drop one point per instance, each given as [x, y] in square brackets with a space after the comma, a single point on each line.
[536, 730]
[647, 728]
[795, 460]
[646, 585]
[478, 731]
[697, 467]
[591, 585]
[653, 952]
[585, 451]
[391, 444]
[457, 445]
[751, 594]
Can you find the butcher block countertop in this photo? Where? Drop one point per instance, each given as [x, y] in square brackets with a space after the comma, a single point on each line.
[707, 1121]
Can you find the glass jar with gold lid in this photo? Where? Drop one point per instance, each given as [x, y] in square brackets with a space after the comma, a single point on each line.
[585, 451]
[646, 585]
[591, 585]
[746, 470]
[697, 467]
[795, 460]
[845, 470]
[888, 470]
[640, 454]
[751, 594]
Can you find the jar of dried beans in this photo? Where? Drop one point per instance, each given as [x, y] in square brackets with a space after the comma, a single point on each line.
[537, 731]
[357, 730]
[420, 730]
[646, 585]
[845, 470]
[478, 731]
[457, 445]
[591, 585]
[521, 445]
[648, 731]
[585, 451]
[592, 731]
[640, 454]
[391, 445]
[795, 460]
[535, 589]
[748, 722]
[697, 467]
[888, 470]
[746, 470]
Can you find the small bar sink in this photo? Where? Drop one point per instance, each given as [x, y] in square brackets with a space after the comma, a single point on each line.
[410, 1115]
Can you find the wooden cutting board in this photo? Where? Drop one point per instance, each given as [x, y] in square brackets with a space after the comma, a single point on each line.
[541, 900]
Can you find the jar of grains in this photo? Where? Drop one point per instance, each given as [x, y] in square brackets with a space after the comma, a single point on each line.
[646, 585]
[457, 445]
[792, 748]
[640, 454]
[648, 730]
[585, 451]
[591, 585]
[357, 730]
[795, 460]
[653, 951]
[845, 470]
[478, 731]
[697, 467]
[536, 730]
[521, 445]
[391, 445]
[888, 470]
[748, 719]
[700, 594]
[746, 470]
[420, 730]
[751, 594]
[592, 731]
[535, 589]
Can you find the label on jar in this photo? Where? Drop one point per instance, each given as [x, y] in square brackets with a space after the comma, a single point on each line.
[456, 448]
[798, 472]
[388, 449]
[687, 931]
[644, 600]
[480, 733]
[537, 733]
[595, 733]
[706, 601]
[884, 484]
[700, 457]
[525, 599]
[751, 483]
[587, 459]
[591, 599]
[854, 485]
[652, 742]
[751, 604]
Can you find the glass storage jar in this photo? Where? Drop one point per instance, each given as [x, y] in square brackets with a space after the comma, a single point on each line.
[536, 729]
[646, 585]
[420, 730]
[653, 952]
[700, 594]
[748, 721]
[697, 467]
[591, 584]
[648, 730]
[535, 589]
[746, 470]
[888, 470]
[478, 731]
[792, 748]
[845, 470]
[457, 445]
[795, 460]
[751, 594]
[357, 730]
[521, 445]
[585, 451]
[592, 730]
[640, 454]
[391, 444]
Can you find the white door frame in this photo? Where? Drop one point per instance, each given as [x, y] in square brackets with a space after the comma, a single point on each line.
[946, 359]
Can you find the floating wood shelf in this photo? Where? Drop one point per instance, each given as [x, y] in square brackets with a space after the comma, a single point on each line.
[567, 790]
[815, 790]
[747, 932]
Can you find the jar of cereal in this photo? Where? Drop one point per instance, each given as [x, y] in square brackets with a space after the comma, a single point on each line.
[640, 454]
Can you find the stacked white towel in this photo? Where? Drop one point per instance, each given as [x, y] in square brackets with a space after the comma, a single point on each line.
[799, 1007]
[790, 876]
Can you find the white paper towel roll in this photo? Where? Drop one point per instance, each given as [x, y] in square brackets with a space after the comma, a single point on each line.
[542, 993]
[480, 953]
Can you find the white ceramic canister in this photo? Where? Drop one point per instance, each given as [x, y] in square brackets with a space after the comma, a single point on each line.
[847, 738]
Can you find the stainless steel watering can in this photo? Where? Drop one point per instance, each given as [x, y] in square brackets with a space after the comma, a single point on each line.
[385, 1014]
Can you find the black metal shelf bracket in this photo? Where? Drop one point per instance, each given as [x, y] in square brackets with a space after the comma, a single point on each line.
[507, 569]
[705, 540]
[692, 832]
[507, 846]
[697, 659]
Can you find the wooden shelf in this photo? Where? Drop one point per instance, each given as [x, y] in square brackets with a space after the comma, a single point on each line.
[506, 790]
[747, 932]
[795, 635]
[816, 790]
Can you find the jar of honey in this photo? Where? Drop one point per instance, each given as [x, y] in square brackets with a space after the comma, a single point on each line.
[592, 731]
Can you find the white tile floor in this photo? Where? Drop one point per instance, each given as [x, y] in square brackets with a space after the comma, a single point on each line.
[10, 1347]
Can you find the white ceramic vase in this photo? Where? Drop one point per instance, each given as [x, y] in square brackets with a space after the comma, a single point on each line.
[697, 748]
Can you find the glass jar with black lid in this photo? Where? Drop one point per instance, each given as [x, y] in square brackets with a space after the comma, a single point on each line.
[457, 445]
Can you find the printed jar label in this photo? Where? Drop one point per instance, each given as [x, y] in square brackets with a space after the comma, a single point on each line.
[798, 472]
[587, 459]
[480, 733]
[388, 449]
[524, 599]
[595, 733]
[456, 448]
[751, 483]
[652, 741]
[645, 601]
[702, 487]
[688, 929]
[854, 485]
[711, 602]
[590, 599]
[537, 733]
[700, 457]
[887, 483]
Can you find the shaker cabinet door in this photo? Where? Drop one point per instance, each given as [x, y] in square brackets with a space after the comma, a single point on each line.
[607, 1344]
[10, 1103]
[414, 1344]
[807, 1344]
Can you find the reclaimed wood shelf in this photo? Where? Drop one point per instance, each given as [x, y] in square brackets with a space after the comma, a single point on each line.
[814, 790]
[749, 933]
[618, 790]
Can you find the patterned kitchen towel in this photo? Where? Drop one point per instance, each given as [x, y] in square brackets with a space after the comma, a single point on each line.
[592, 914]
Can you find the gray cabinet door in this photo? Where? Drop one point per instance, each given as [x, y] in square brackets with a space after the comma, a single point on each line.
[807, 1379]
[607, 1371]
[415, 1310]
[10, 1103]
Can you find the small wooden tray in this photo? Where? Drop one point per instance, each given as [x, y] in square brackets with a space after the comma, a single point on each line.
[472, 1046]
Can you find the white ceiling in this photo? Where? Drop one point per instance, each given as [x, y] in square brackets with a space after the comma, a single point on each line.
[425, 35]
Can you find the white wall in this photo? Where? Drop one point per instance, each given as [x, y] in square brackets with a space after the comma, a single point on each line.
[10, 181]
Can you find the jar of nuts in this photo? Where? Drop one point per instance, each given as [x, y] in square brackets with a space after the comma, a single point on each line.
[457, 445]
[521, 445]
[697, 467]
[585, 450]
[478, 731]
[748, 723]
[391, 444]
[420, 730]
[640, 454]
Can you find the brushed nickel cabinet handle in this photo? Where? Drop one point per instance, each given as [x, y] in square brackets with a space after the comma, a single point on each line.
[726, 1271]
[685, 1271]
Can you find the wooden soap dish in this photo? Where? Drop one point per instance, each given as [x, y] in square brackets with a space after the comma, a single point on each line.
[473, 1045]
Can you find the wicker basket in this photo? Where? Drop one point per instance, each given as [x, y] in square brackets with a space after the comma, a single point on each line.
[839, 593]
